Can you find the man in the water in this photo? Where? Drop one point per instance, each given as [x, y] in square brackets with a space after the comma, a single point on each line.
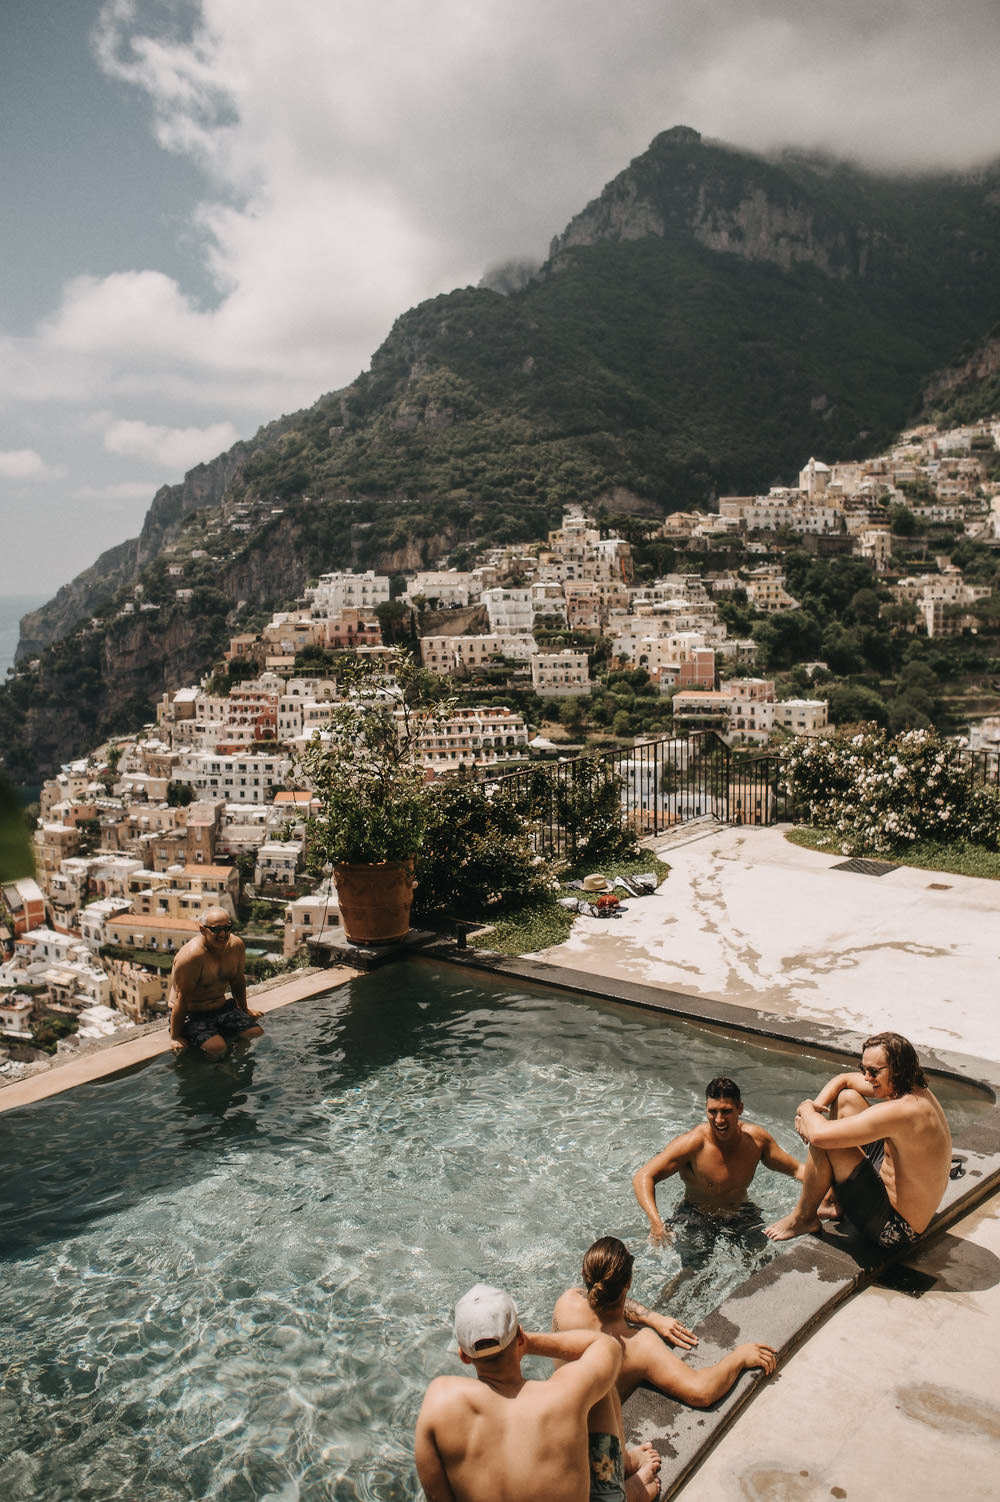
[715, 1161]
[201, 1016]
[504, 1436]
[880, 1140]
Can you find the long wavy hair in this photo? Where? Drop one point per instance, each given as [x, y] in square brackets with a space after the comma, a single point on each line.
[607, 1268]
[904, 1071]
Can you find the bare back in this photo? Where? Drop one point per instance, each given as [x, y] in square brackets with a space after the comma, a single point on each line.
[573, 1312]
[500, 1448]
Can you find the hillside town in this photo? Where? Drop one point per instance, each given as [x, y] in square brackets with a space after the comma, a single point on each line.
[206, 805]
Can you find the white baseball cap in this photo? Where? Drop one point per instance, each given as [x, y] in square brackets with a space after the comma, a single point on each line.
[486, 1321]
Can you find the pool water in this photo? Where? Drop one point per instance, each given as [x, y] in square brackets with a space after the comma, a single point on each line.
[234, 1280]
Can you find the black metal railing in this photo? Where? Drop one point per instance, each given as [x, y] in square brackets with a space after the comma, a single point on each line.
[984, 767]
[665, 783]
[660, 784]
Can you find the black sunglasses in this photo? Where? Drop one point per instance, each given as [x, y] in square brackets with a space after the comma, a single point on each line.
[218, 929]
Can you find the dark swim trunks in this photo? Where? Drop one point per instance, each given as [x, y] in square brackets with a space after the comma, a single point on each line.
[607, 1468]
[866, 1204]
[225, 1022]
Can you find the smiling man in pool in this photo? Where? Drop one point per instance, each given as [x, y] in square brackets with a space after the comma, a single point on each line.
[880, 1140]
[715, 1161]
[203, 970]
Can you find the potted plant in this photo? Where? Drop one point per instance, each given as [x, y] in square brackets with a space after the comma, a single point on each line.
[372, 790]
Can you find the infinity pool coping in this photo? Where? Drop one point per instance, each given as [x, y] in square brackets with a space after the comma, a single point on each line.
[123, 1051]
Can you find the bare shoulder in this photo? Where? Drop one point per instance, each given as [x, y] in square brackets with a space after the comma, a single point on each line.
[757, 1134]
[188, 959]
[905, 1112]
[572, 1312]
[235, 956]
[447, 1393]
[690, 1141]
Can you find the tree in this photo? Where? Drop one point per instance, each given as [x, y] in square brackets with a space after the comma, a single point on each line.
[16, 856]
[571, 715]
[904, 522]
[855, 706]
[397, 623]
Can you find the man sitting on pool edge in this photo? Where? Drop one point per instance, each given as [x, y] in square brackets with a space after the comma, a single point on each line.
[716, 1160]
[202, 970]
[506, 1436]
[880, 1140]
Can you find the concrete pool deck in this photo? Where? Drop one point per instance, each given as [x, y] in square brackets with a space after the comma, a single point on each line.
[894, 1392]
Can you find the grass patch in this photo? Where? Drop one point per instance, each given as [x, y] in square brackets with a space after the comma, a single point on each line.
[546, 923]
[959, 859]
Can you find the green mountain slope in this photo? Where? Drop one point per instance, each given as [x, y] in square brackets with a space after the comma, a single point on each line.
[701, 328]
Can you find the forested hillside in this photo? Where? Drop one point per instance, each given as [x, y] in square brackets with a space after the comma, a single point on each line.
[705, 325]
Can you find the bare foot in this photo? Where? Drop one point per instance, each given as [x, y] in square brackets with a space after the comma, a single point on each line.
[829, 1208]
[789, 1226]
[640, 1455]
[643, 1483]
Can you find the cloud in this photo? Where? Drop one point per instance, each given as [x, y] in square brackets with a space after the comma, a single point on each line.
[355, 159]
[21, 464]
[178, 449]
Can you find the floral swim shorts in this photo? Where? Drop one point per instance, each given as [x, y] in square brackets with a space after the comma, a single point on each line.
[225, 1022]
[607, 1469]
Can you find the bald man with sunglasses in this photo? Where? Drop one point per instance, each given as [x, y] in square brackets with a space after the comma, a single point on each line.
[201, 1016]
[879, 1139]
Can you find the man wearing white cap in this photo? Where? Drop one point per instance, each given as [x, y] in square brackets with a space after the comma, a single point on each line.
[507, 1436]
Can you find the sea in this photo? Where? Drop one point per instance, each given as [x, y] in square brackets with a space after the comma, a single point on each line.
[12, 607]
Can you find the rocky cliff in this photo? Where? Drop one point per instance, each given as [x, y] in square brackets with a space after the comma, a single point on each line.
[205, 485]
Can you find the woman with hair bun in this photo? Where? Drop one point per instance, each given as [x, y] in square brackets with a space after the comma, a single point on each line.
[604, 1304]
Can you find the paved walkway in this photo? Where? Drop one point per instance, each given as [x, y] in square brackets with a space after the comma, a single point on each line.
[895, 1395]
[748, 918]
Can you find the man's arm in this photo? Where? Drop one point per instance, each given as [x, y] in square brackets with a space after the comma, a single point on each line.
[702, 1386]
[826, 1097]
[664, 1325]
[183, 979]
[880, 1120]
[430, 1467]
[238, 982]
[644, 1182]
[591, 1362]
[773, 1156]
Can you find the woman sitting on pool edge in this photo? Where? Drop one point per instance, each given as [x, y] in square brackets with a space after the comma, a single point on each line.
[603, 1304]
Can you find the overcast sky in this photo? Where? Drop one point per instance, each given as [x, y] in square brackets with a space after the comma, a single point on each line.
[212, 210]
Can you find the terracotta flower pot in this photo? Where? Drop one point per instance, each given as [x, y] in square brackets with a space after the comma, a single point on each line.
[375, 901]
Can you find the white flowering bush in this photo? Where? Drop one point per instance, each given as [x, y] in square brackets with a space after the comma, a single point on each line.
[880, 793]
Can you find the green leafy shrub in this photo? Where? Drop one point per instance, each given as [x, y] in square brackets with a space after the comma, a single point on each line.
[477, 856]
[589, 808]
[365, 768]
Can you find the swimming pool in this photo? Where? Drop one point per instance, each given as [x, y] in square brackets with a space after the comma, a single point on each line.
[235, 1279]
